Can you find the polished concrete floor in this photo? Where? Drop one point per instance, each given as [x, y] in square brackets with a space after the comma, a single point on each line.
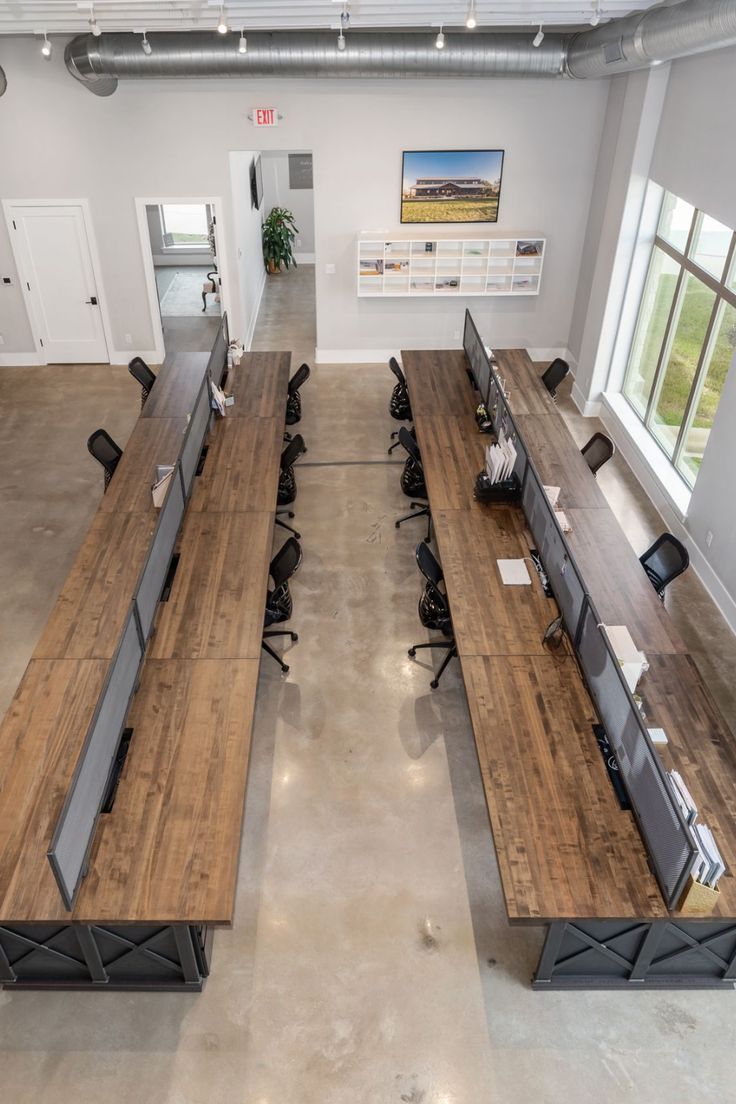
[370, 961]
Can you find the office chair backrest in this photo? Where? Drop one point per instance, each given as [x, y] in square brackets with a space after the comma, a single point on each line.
[394, 366]
[292, 452]
[140, 371]
[411, 446]
[555, 374]
[598, 451]
[284, 564]
[664, 561]
[104, 450]
[301, 376]
[428, 565]
[434, 608]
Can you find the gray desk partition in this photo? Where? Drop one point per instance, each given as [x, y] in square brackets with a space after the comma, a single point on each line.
[76, 825]
[154, 572]
[218, 356]
[195, 435]
[476, 355]
[660, 821]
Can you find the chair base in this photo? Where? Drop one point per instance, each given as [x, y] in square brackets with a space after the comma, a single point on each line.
[284, 666]
[420, 511]
[289, 528]
[396, 443]
[451, 653]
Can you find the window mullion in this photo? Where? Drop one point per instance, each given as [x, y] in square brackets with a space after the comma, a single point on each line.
[698, 381]
[658, 372]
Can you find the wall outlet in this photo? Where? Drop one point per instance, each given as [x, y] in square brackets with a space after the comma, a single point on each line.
[456, 335]
[128, 339]
[709, 538]
[298, 243]
[330, 269]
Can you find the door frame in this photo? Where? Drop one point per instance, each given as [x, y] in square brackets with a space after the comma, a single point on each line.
[83, 204]
[148, 267]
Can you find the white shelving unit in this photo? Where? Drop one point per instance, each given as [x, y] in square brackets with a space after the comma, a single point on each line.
[445, 266]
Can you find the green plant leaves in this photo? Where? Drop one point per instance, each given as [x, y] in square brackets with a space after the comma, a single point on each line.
[278, 234]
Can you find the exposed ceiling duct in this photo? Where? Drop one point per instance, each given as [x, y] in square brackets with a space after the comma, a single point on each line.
[661, 33]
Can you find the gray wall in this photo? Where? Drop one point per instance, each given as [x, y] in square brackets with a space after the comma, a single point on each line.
[112, 150]
[277, 193]
[248, 247]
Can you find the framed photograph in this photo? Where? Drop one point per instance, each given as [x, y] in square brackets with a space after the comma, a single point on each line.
[451, 185]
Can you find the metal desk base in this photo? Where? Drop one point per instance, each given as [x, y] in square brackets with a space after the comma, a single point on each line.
[638, 954]
[105, 956]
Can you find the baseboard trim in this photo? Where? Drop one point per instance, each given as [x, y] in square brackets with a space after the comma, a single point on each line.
[19, 360]
[124, 356]
[587, 408]
[248, 339]
[304, 258]
[671, 516]
[549, 354]
[353, 356]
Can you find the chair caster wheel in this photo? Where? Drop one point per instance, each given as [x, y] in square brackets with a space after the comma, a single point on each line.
[284, 669]
[298, 536]
[294, 637]
[412, 652]
[396, 524]
[427, 540]
[434, 684]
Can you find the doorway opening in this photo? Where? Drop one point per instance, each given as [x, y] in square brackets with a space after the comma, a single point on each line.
[184, 270]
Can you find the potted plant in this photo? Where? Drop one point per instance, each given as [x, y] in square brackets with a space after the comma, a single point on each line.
[279, 232]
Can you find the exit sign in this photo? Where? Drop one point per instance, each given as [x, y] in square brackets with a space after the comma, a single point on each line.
[265, 117]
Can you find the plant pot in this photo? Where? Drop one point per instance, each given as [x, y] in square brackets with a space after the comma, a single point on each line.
[273, 268]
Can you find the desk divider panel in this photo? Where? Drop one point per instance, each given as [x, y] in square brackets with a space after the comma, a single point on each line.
[218, 357]
[153, 575]
[77, 821]
[194, 438]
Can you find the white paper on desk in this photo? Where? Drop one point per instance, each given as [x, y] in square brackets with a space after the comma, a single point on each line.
[218, 399]
[553, 494]
[511, 454]
[564, 524]
[164, 474]
[514, 572]
[495, 462]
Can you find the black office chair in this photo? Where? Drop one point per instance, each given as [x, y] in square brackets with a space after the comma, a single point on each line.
[399, 406]
[598, 451]
[287, 480]
[293, 398]
[140, 371]
[412, 481]
[434, 610]
[101, 445]
[554, 375]
[664, 561]
[279, 603]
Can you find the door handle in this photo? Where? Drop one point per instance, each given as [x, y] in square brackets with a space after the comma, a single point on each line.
[92, 302]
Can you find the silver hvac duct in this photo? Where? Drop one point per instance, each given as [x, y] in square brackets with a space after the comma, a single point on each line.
[3, 82]
[660, 34]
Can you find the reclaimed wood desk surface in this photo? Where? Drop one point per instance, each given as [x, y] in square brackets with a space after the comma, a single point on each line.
[168, 851]
[177, 385]
[565, 848]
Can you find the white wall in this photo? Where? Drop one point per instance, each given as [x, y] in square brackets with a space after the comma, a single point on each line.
[247, 222]
[130, 144]
[300, 201]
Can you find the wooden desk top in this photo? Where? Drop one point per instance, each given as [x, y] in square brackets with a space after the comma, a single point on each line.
[88, 617]
[559, 461]
[565, 847]
[216, 606]
[453, 452]
[258, 385]
[526, 392]
[617, 583]
[438, 382]
[177, 385]
[153, 441]
[241, 471]
[488, 617]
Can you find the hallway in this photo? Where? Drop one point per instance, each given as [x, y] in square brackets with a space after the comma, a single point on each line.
[370, 961]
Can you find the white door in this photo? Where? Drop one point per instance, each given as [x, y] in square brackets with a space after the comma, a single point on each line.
[55, 265]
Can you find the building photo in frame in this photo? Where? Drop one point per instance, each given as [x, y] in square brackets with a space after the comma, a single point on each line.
[451, 185]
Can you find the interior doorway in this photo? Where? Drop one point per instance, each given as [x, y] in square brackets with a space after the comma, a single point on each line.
[185, 271]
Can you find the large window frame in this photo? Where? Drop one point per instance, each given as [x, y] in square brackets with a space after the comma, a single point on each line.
[183, 247]
[724, 295]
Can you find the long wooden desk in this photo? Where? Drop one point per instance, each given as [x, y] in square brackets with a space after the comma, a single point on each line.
[568, 856]
[163, 866]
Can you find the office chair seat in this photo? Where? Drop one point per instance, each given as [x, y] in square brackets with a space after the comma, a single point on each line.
[434, 610]
[287, 479]
[399, 406]
[554, 375]
[663, 561]
[140, 372]
[101, 445]
[412, 481]
[598, 451]
[279, 602]
[293, 400]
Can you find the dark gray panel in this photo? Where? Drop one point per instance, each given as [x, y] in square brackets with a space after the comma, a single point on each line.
[162, 546]
[218, 356]
[195, 436]
[300, 171]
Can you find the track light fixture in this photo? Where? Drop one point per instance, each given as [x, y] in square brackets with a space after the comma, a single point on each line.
[222, 27]
[595, 17]
[440, 40]
[46, 47]
[345, 17]
[470, 20]
[341, 40]
[242, 43]
[145, 45]
[93, 26]
[538, 38]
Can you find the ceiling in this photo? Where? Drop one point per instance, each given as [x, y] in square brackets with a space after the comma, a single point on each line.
[72, 16]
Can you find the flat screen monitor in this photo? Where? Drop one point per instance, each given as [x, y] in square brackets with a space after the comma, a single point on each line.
[476, 356]
[559, 566]
[662, 827]
[451, 185]
[218, 356]
[256, 183]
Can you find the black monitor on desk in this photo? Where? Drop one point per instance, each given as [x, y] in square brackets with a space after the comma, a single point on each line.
[479, 363]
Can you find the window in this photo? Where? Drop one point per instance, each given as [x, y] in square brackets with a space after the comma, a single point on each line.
[185, 225]
[685, 334]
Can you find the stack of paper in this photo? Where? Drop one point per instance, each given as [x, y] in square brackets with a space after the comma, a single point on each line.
[219, 400]
[708, 865]
[500, 459]
[514, 572]
[683, 797]
[164, 473]
[553, 494]
[562, 521]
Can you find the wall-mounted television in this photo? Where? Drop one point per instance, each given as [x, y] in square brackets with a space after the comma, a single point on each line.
[451, 185]
[256, 183]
